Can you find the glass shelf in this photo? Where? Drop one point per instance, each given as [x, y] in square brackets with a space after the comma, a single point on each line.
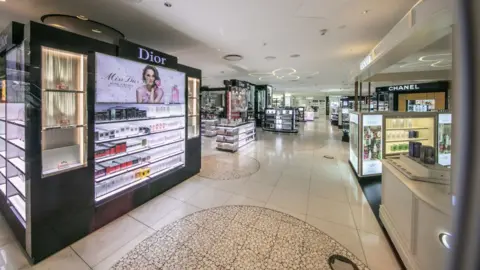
[64, 125]
[193, 107]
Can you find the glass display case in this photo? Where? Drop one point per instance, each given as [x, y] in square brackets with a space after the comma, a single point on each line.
[353, 142]
[404, 128]
[280, 120]
[193, 107]
[12, 129]
[382, 135]
[444, 146]
[64, 125]
[137, 139]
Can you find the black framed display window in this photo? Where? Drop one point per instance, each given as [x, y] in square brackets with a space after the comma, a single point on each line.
[88, 132]
[139, 127]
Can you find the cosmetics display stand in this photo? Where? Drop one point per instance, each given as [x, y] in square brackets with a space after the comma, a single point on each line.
[378, 135]
[85, 136]
[309, 116]
[300, 114]
[416, 215]
[263, 100]
[231, 138]
[280, 120]
[209, 127]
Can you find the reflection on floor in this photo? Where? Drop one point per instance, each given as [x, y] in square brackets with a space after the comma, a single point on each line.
[236, 237]
[293, 177]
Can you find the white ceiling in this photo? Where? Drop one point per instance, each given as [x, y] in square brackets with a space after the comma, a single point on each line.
[201, 32]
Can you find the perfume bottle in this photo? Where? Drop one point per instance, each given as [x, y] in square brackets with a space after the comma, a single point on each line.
[175, 95]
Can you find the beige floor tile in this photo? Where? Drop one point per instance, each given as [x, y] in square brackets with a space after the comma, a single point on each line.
[291, 201]
[209, 197]
[242, 200]
[365, 219]
[108, 262]
[346, 236]
[64, 259]
[12, 257]
[331, 210]
[154, 210]
[328, 190]
[181, 211]
[184, 190]
[102, 243]
[378, 252]
[255, 190]
[294, 184]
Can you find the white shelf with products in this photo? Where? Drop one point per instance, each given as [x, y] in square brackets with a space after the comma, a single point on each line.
[280, 120]
[18, 163]
[19, 205]
[232, 138]
[18, 183]
[137, 132]
[209, 127]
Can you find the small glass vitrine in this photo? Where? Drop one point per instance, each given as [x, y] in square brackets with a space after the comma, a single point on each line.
[64, 110]
[193, 107]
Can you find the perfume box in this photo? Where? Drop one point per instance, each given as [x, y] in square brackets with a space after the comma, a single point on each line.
[417, 149]
[101, 151]
[101, 116]
[110, 166]
[427, 155]
[411, 146]
[117, 113]
[99, 171]
[101, 134]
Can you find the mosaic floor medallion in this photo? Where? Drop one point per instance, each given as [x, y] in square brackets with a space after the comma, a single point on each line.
[228, 166]
[238, 237]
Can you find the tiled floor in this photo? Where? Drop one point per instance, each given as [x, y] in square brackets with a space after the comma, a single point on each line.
[293, 177]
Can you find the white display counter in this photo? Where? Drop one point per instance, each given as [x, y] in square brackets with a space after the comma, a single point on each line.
[309, 116]
[416, 214]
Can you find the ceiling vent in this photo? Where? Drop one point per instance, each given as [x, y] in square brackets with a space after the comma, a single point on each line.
[233, 57]
[323, 32]
[269, 58]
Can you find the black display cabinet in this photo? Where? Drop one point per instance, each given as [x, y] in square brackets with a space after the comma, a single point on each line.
[91, 130]
[263, 100]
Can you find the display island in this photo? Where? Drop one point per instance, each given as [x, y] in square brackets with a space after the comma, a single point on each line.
[280, 120]
[378, 135]
[89, 131]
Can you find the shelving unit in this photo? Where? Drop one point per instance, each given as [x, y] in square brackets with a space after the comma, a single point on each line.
[193, 107]
[400, 130]
[129, 152]
[231, 138]
[209, 127]
[280, 120]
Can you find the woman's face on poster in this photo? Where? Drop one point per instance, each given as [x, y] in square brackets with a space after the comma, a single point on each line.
[149, 77]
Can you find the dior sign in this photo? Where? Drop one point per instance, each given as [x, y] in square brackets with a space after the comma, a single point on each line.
[136, 52]
[150, 56]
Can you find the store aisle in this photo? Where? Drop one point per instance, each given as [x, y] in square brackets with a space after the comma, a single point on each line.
[313, 197]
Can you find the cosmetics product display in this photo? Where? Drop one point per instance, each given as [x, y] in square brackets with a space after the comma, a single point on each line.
[130, 138]
[280, 120]
[232, 138]
[209, 127]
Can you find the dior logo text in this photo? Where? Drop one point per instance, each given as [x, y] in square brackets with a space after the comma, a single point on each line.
[149, 56]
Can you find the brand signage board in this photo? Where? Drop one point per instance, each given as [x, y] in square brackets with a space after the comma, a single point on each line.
[11, 36]
[120, 80]
[433, 86]
[143, 54]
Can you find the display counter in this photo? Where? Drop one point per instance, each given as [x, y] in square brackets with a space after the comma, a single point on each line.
[209, 127]
[89, 131]
[232, 137]
[417, 216]
[301, 114]
[388, 134]
[280, 120]
[309, 116]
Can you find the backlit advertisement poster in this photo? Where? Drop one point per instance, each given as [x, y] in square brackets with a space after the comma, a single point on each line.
[120, 80]
[444, 139]
[371, 150]
[354, 141]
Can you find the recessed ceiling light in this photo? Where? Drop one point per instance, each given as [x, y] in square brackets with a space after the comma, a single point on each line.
[233, 57]
[323, 32]
[83, 18]
[57, 25]
[270, 58]
[2, 0]
[168, 4]
[295, 55]
[96, 31]
[365, 11]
